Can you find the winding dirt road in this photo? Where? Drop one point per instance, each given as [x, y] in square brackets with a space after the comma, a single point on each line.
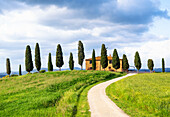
[100, 104]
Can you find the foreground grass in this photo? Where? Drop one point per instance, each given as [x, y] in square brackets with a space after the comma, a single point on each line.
[49, 94]
[143, 95]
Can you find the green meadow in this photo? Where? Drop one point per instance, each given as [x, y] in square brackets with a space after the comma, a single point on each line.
[143, 95]
[62, 93]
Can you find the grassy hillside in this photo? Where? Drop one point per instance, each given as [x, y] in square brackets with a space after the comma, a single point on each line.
[49, 94]
[143, 95]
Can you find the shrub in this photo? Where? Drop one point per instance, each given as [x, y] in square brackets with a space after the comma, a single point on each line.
[28, 73]
[35, 72]
[7, 76]
[13, 75]
[42, 71]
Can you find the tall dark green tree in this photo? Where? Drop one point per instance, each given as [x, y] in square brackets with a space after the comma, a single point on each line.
[93, 60]
[81, 54]
[137, 61]
[8, 66]
[50, 64]
[150, 65]
[37, 57]
[20, 72]
[163, 65]
[28, 59]
[59, 57]
[104, 59]
[115, 60]
[71, 62]
[125, 63]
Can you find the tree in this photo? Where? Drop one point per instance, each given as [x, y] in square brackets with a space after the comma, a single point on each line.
[115, 60]
[20, 72]
[59, 57]
[37, 57]
[71, 62]
[125, 63]
[104, 59]
[163, 65]
[137, 61]
[8, 67]
[81, 55]
[28, 59]
[150, 65]
[50, 65]
[93, 60]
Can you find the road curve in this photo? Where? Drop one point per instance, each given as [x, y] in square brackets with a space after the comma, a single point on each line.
[100, 104]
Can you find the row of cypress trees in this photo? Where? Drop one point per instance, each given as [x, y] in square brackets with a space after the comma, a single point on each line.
[8, 67]
[59, 60]
[125, 63]
[28, 58]
[150, 63]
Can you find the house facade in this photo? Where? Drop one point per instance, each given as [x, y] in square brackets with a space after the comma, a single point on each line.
[98, 64]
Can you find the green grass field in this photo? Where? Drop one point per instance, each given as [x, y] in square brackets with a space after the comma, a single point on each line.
[143, 95]
[49, 94]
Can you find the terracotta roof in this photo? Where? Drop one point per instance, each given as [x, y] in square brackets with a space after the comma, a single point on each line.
[98, 58]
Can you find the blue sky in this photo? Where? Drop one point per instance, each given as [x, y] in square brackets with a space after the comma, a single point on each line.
[128, 25]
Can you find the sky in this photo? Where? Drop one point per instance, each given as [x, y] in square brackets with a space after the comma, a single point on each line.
[127, 25]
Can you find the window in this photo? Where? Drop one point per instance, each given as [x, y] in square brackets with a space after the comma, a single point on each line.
[110, 61]
[90, 62]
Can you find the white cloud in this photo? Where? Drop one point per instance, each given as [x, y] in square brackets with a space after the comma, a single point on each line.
[151, 50]
[52, 24]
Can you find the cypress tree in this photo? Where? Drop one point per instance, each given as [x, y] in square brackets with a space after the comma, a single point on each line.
[125, 63]
[137, 61]
[115, 60]
[71, 62]
[93, 60]
[20, 72]
[104, 59]
[28, 59]
[50, 65]
[150, 65]
[8, 67]
[163, 65]
[37, 57]
[81, 54]
[59, 57]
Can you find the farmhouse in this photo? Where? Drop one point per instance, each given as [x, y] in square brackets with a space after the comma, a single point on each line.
[98, 64]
